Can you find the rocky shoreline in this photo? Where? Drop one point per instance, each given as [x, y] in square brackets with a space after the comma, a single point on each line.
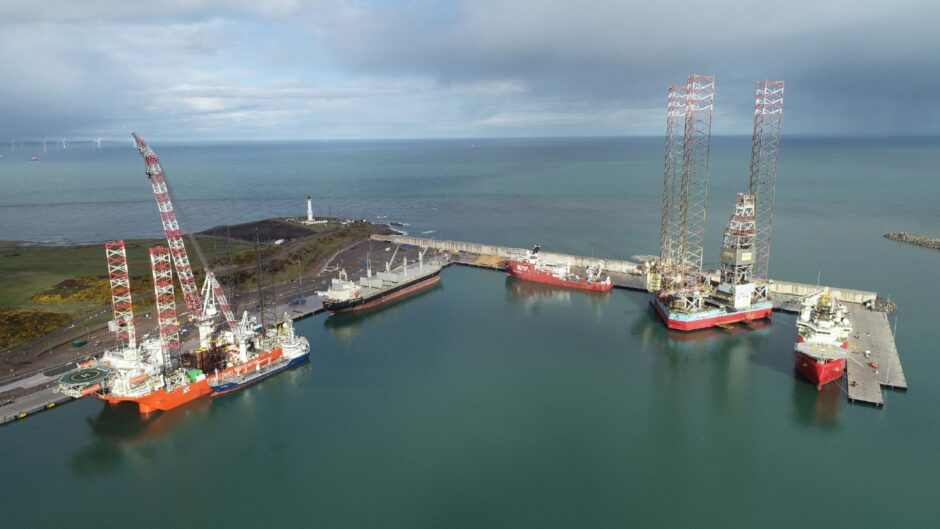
[915, 238]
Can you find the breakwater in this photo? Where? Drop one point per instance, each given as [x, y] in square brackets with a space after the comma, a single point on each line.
[915, 238]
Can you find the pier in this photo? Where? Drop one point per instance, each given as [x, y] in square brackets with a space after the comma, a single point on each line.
[873, 358]
[872, 342]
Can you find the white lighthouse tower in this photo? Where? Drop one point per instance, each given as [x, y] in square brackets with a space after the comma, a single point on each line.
[310, 220]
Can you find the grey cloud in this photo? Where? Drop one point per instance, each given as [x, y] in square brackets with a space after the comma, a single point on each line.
[29, 11]
[342, 68]
[830, 52]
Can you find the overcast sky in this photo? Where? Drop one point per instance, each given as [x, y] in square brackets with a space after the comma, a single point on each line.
[296, 69]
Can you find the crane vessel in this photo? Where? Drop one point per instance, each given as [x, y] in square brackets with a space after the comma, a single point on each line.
[155, 373]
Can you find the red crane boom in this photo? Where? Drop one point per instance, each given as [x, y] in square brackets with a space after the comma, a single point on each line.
[174, 238]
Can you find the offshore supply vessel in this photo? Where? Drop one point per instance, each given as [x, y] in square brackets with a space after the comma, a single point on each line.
[531, 267]
[287, 351]
[375, 289]
[737, 297]
[822, 344]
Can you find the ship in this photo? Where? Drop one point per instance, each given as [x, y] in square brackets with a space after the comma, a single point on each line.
[531, 267]
[136, 374]
[712, 316]
[289, 350]
[375, 289]
[822, 343]
[159, 374]
[688, 299]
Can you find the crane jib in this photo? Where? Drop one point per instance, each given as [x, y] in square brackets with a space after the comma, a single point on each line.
[177, 249]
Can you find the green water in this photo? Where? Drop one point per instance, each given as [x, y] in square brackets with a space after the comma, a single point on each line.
[490, 403]
[487, 402]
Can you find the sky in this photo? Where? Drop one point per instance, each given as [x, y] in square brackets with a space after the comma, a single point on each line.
[357, 69]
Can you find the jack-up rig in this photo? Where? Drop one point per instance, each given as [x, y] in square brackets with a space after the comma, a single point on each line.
[687, 296]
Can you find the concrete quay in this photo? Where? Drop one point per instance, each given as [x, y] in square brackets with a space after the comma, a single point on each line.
[873, 361]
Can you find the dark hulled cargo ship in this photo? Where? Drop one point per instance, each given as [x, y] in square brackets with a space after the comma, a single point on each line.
[378, 288]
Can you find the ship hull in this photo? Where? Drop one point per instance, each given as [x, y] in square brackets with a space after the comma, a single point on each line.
[229, 387]
[382, 297]
[163, 400]
[527, 272]
[819, 373]
[710, 318]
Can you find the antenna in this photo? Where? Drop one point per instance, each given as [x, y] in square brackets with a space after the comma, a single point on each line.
[260, 290]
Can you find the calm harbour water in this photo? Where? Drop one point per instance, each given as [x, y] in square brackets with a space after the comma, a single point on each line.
[486, 402]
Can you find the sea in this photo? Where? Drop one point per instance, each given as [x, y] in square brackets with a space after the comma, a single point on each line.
[487, 402]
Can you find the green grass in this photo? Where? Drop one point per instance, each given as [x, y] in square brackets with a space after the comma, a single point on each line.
[29, 270]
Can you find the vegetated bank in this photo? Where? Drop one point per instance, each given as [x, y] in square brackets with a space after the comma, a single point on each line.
[54, 295]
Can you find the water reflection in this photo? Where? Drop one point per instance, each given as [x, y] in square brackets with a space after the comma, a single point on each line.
[653, 334]
[534, 295]
[345, 326]
[123, 423]
[120, 431]
[819, 408]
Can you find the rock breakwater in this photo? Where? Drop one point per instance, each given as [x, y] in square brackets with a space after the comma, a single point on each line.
[915, 238]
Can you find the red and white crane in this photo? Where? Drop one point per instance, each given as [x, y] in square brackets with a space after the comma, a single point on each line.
[204, 304]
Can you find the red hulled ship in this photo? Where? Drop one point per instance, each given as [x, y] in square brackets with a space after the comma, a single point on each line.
[823, 342]
[532, 267]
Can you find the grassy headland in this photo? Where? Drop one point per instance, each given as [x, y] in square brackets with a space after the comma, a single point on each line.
[44, 288]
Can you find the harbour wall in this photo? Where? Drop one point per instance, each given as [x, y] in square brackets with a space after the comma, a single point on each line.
[846, 295]
[506, 252]
[781, 289]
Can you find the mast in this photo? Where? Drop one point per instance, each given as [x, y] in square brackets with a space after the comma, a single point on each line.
[167, 324]
[765, 151]
[672, 181]
[121, 303]
[700, 101]
[260, 289]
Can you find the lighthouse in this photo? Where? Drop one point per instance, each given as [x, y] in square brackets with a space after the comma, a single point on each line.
[309, 209]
